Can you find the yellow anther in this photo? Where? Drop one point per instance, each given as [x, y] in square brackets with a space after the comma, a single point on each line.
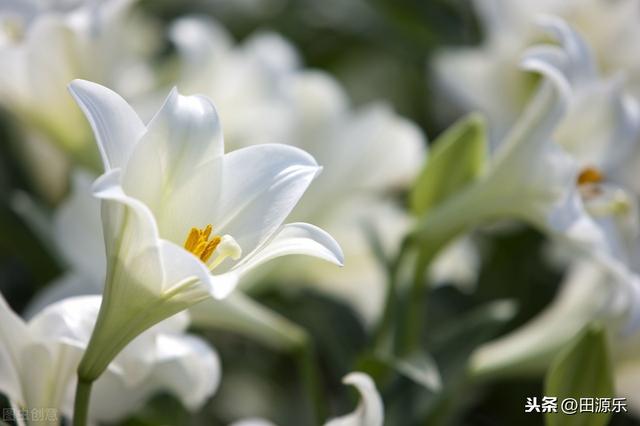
[207, 231]
[192, 239]
[590, 175]
[200, 245]
[210, 248]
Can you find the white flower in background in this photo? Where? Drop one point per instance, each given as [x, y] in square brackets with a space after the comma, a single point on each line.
[44, 46]
[592, 291]
[183, 221]
[39, 358]
[603, 285]
[75, 235]
[366, 153]
[600, 131]
[248, 81]
[560, 187]
[370, 410]
[457, 264]
[474, 75]
[529, 177]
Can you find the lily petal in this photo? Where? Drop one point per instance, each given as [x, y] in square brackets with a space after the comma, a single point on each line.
[115, 124]
[374, 150]
[239, 313]
[179, 367]
[529, 162]
[69, 320]
[295, 238]
[14, 337]
[201, 43]
[260, 186]
[69, 285]
[131, 236]
[180, 265]
[180, 364]
[77, 228]
[531, 347]
[183, 136]
[370, 410]
[581, 66]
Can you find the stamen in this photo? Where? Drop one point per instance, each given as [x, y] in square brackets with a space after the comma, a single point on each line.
[210, 248]
[198, 242]
[192, 239]
[590, 175]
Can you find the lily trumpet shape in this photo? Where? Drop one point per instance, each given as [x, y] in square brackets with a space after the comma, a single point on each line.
[600, 132]
[76, 233]
[367, 153]
[182, 220]
[472, 75]
[369, 412]
[603, 285]
[534, 178]
[38, 360]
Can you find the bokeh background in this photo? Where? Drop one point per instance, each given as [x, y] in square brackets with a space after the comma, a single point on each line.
[378, 49]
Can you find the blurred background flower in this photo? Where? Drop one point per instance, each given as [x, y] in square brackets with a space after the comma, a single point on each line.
[530, 218]
[40, 358]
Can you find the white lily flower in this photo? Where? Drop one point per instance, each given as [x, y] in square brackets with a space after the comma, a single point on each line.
[599, 131]
[183, 221]
[529, 177]
[52, 43]
[601, 123]
[369, 412]
[457, 264]
[366, 153]
[473, 75]
[39, 359]
[594, 291]
[606, 287]
[76, 231]
[558, 189]
[531, 347]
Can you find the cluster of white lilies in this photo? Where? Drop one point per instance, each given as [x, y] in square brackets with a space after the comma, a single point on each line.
[167, 224]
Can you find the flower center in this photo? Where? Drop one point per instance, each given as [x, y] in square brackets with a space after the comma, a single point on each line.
[203, 246]
[590, 175]
[200, 243]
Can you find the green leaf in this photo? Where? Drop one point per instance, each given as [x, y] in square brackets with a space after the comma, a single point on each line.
[421, 368]
[418, 366]
[583, 370]
[457, 158]
[241, 314]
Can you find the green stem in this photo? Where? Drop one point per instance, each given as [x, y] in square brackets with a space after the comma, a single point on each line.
[383, 338]
[411, 326]
[439, 227]
[308, 368]
[81, 405]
